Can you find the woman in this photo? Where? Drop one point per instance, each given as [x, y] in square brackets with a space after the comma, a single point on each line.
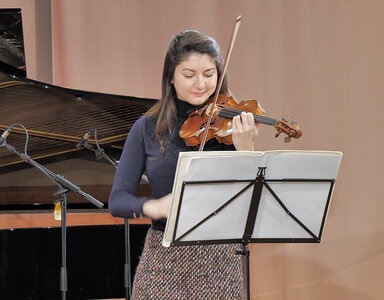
[192, 68]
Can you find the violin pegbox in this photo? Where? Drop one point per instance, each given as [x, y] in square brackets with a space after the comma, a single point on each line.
[291, 130]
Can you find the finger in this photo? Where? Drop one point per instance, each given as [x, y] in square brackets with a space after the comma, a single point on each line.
[248, 119]
[236, 122]
[245, 121]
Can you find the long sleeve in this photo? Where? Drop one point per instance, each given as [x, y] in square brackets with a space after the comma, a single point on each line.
[122, 201]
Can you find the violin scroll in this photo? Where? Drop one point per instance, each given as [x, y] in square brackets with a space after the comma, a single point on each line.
[291, 131]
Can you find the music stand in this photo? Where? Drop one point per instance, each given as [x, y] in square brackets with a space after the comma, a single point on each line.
[251, 197]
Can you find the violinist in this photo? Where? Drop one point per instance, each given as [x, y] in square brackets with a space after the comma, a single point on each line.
[192, 67]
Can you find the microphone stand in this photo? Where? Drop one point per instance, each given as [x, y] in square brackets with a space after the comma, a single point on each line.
[64, 187]
[100, 153]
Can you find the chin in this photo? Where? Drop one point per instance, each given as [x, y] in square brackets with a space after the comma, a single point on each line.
[200, 100]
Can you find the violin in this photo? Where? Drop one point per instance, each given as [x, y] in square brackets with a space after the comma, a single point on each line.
[219, 115]
[214, 119]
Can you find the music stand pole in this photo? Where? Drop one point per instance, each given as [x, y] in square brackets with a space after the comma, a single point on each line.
[246, 253]
[251, 219]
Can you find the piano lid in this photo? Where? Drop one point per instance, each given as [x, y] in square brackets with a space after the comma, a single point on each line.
[12, 55]
[56, 118]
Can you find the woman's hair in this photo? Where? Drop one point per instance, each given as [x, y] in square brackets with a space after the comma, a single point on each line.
[183, 44]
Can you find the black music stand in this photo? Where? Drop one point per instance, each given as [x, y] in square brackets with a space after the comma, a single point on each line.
[251, 197]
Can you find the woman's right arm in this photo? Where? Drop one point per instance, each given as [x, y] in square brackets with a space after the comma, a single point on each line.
[122, 200]
[158, 208]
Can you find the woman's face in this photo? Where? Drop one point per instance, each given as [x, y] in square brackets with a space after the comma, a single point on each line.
[195, 78]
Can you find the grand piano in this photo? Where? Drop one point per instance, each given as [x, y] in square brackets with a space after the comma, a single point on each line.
[47, 122]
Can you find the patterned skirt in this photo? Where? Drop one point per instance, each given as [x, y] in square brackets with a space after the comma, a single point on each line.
[188, 272]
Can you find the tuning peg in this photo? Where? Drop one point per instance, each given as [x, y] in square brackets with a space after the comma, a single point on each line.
[285, 118]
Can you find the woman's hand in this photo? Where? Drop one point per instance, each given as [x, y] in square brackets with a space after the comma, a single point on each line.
[158, 208]
[245, 132]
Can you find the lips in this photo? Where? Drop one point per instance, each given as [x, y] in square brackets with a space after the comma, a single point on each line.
[198, 94]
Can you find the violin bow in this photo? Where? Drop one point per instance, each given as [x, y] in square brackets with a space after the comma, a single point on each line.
[221, 79]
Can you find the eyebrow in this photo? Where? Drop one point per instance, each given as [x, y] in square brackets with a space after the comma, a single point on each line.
[192, 70]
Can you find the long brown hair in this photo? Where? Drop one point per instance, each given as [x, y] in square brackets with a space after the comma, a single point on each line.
[183, 44]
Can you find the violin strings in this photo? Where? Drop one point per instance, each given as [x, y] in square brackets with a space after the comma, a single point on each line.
[229, 113]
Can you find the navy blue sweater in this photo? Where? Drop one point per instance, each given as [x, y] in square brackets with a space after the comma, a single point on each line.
[141, 154]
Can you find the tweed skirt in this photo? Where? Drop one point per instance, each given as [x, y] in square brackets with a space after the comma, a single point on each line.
[188, 272]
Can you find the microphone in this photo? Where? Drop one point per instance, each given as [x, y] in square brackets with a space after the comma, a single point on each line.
[85, 138]
[3, 137]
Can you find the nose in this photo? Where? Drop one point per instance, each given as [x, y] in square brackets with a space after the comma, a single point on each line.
[200, 82]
